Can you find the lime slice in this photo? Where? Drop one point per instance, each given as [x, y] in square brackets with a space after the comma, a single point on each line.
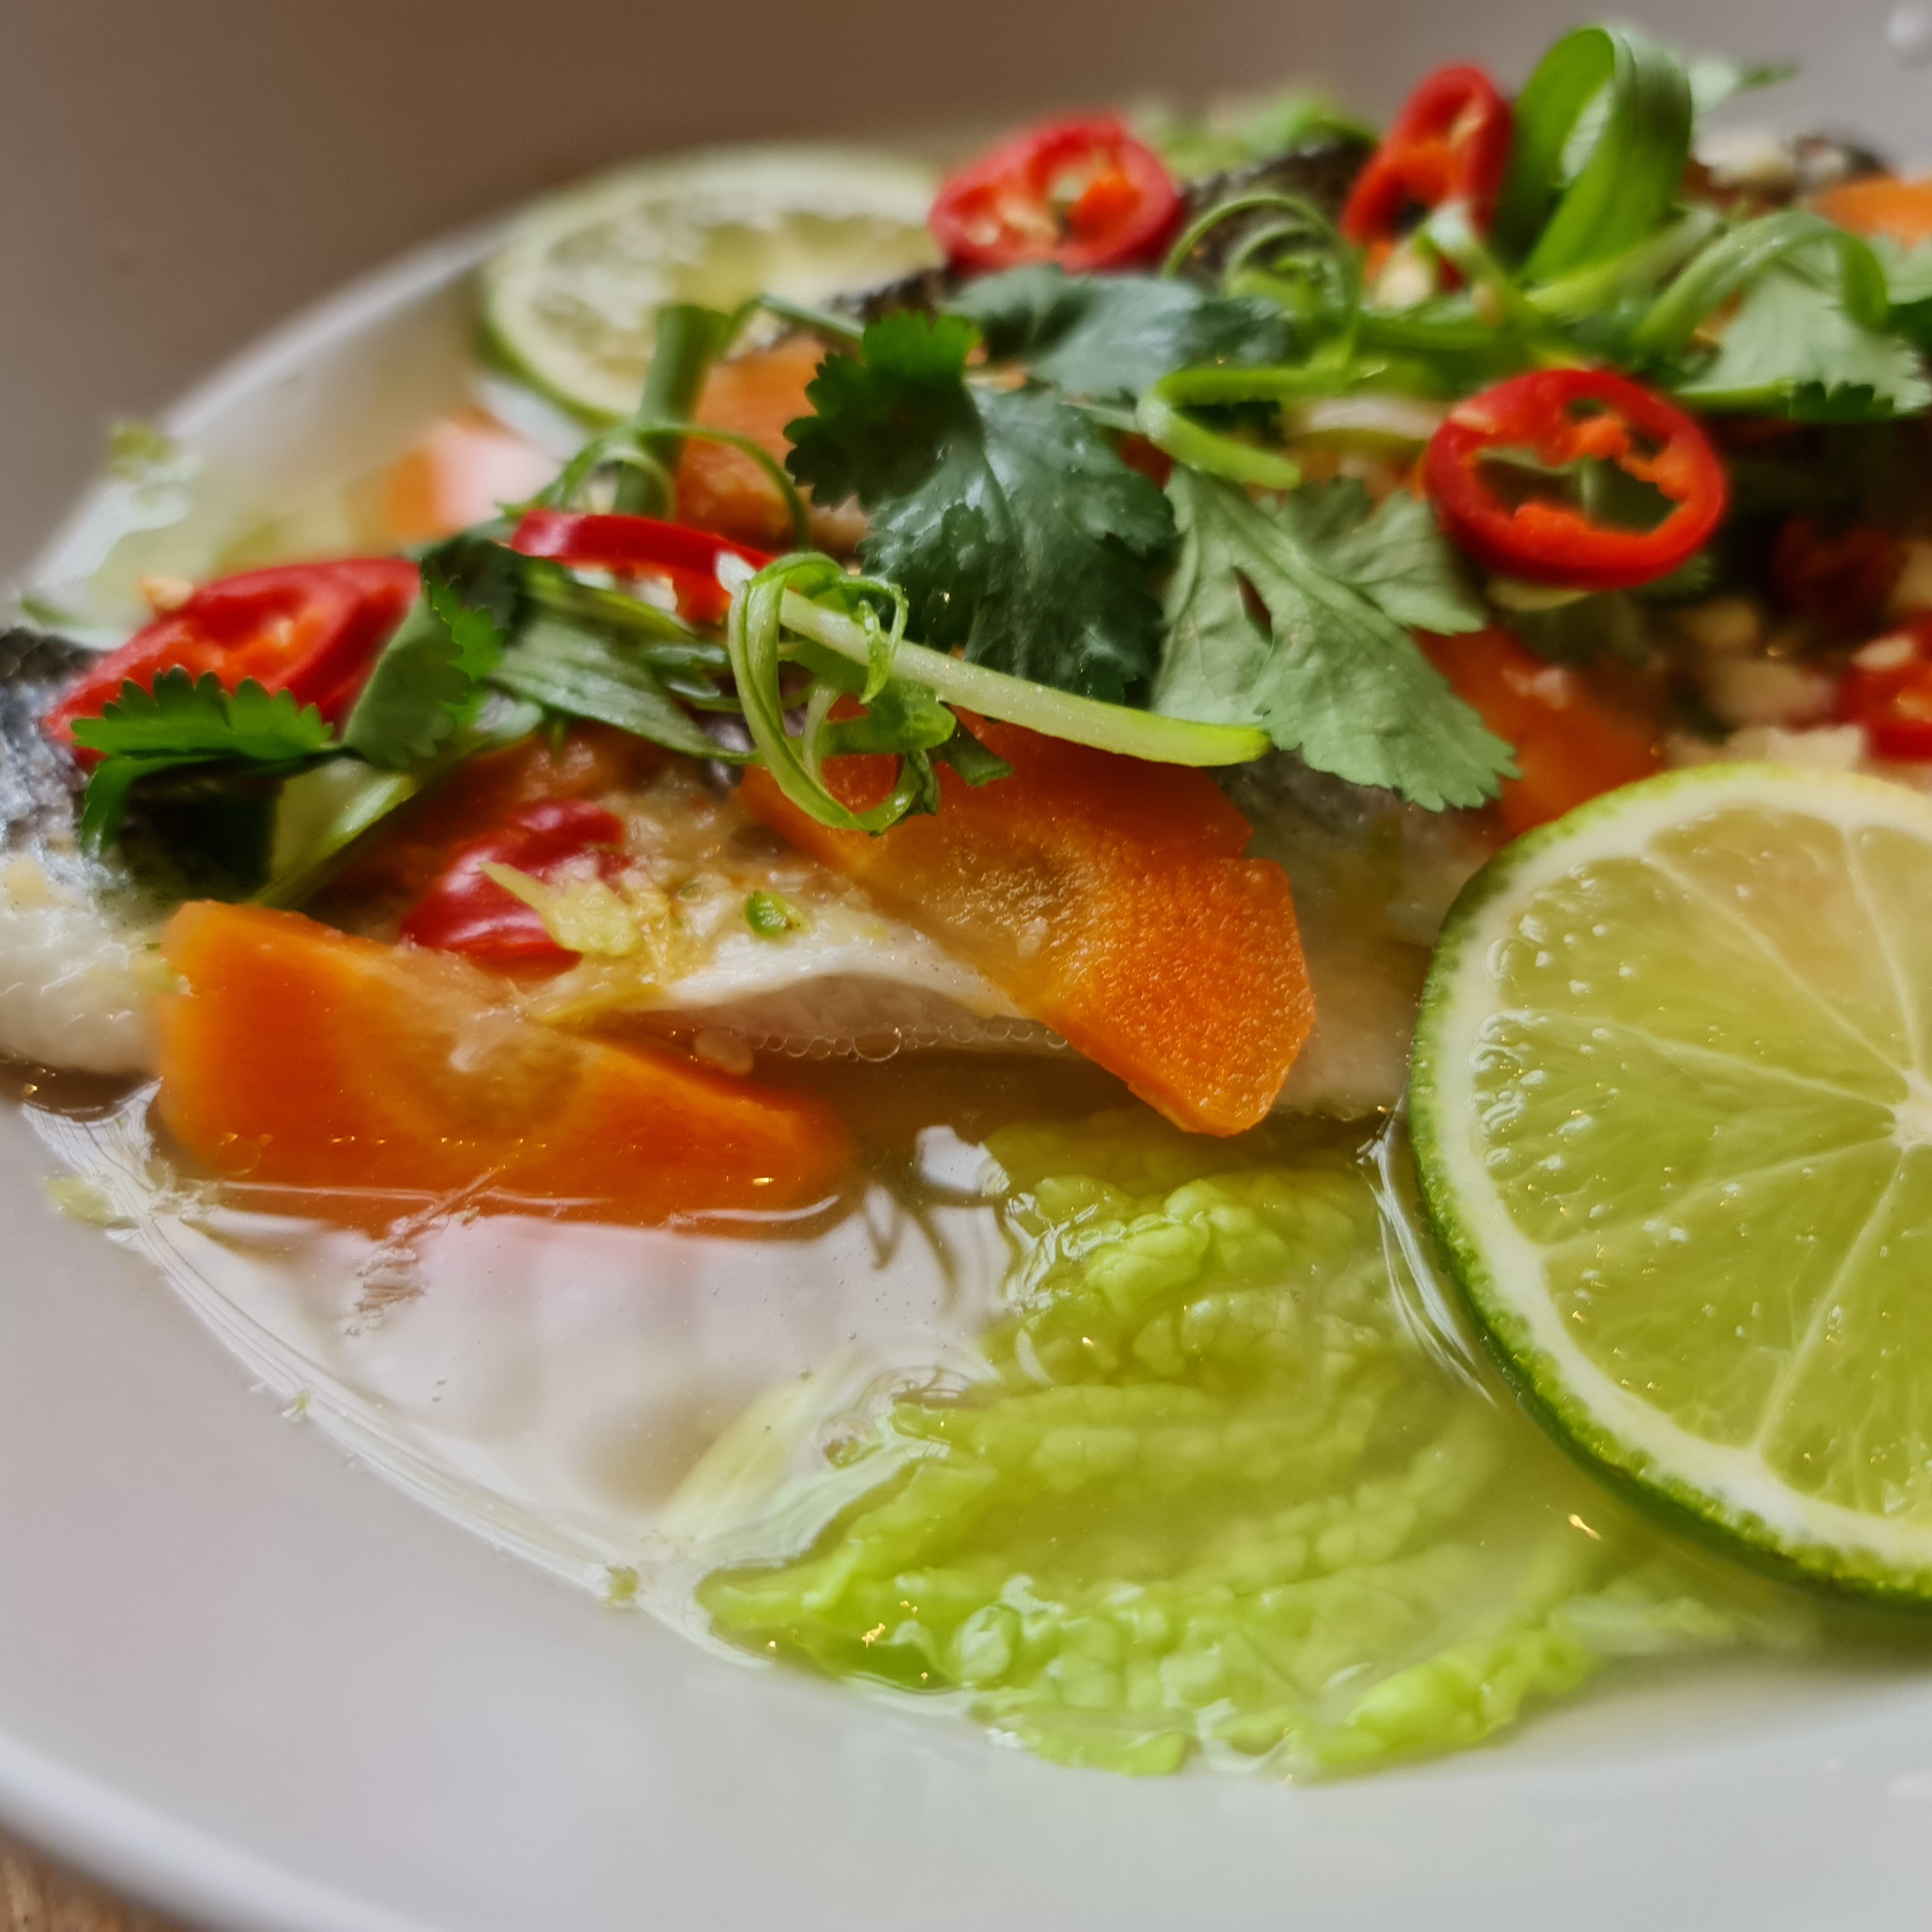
[1672, 1107]
[570, 300]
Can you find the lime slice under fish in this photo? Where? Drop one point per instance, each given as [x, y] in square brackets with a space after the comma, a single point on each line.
[1673, 1112]
[570, 300]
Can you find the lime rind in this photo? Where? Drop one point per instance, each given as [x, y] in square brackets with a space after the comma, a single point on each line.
[566, 301]
[1727, 1495]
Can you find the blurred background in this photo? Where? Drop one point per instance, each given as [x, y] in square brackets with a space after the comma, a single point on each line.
[176, 176]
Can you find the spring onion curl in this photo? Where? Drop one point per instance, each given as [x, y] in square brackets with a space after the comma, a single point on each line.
[839, 331]
[619, 448]
[979, 688]
[1638, 271]
[1160, 416]
[754, 638]
[1243, 272]
[1627, 103]
[1736, 258]
[1163, 424]
[688, 338]
[1452, 234]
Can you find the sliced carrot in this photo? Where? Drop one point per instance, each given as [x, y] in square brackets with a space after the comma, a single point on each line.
[1880, 205]
[1570, 744]
[459, 473]
[1109, 898]
[722, 489]
[301, 1058]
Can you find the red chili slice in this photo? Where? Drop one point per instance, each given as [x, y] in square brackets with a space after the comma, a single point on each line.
[1560, 417]
[466, 911]
[1887, 687]
[311, 629]
[1450, 142]
[1084, 193]
[640, 547]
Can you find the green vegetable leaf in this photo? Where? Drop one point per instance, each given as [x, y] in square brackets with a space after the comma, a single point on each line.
[184, 719]
[566, 667]
[1792, 350]
[976, 763]
[1908, 274]
[1602, 132]
[1107, 336]
[1393, 554]
[1015, 531]
[182, 722]
[1330, 673]
[427, 681]
[321, 812]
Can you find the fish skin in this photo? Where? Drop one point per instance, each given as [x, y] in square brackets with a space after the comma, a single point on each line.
[1372, 878]
[40, 784]
[78, 967]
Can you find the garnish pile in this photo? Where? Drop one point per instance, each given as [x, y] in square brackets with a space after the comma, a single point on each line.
[1435, 482]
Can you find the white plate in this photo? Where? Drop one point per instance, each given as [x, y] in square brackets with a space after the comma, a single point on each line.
[268, 1691]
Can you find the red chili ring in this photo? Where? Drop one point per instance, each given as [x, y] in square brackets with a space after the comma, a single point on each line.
[1560, 416]
[1000, 211]
[1450, 142]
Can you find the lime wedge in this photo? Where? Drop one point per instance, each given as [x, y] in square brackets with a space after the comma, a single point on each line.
[1672, 1110]
[570, 301]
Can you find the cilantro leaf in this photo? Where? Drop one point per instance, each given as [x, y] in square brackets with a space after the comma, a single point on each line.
[1792, 350]
[184, 719]
[1908, 275]
[183, 722]
[1013, 528]
[427, 681]
[1330, 673]
[1394, 554]
[1109, 336]
[568, 668]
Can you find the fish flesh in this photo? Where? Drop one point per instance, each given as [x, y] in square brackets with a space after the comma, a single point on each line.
[80, 964]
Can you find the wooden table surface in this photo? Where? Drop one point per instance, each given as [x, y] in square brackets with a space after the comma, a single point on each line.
[37, 1896]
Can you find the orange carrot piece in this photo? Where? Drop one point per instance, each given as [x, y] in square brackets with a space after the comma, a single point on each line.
[1880, 205]
[1571, 745]
[303, 1058]
[720, 488]
[461, 470]
[1109, 897]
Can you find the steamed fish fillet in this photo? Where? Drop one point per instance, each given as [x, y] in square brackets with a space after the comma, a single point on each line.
[857, 983]
[79, 965]
[844, 978]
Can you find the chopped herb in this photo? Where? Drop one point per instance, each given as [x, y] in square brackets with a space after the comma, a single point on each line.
[182, 722]
[1327, 669]
[428, 680]
[1015, 531]
[1792, 350]
[568, 668]
[1393, 554]
[771, 917]
[1109, 336]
